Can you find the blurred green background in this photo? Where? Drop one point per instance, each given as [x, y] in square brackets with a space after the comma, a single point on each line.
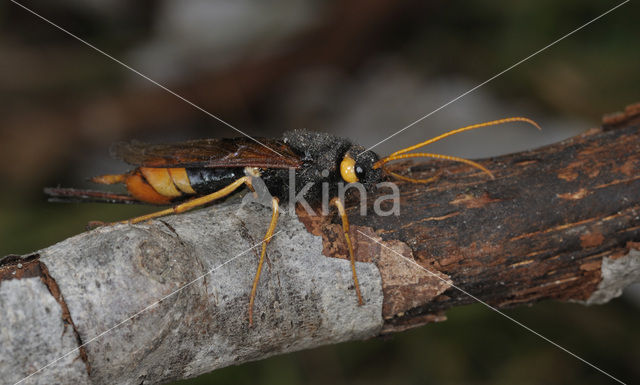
[361, 69]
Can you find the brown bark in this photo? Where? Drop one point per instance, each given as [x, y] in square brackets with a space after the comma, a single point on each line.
[540, 230]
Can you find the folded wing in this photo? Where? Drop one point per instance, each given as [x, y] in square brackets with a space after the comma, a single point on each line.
[214, 153]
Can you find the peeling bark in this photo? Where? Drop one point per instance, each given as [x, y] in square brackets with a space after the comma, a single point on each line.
[617, 272]
[168, 299]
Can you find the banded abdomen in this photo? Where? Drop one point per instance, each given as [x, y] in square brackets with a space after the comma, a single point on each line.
[159, 185]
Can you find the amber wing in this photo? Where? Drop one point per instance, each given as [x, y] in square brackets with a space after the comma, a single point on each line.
[214, 153]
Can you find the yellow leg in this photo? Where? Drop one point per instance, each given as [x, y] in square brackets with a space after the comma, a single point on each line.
[345, 228]
[265, 241]
[193, 203]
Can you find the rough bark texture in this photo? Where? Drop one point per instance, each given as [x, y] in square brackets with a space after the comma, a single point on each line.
[115, 274]
[559, 222]
[550, 226]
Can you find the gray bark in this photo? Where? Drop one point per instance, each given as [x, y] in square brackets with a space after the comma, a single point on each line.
[200, 267]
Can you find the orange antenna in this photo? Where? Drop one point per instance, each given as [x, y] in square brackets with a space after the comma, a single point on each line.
[402, 154]
[442, 157]
[406, 178]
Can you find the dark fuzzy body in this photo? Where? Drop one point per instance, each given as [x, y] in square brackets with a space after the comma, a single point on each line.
[321, 155]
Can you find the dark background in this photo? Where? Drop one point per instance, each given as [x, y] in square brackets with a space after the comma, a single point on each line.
[361, 69]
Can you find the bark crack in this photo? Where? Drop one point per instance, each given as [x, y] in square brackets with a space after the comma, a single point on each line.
[51, 284]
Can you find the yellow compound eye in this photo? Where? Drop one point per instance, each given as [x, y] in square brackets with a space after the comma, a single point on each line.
[348, 169]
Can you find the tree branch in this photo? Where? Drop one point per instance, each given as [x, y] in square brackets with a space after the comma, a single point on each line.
[168, 299]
